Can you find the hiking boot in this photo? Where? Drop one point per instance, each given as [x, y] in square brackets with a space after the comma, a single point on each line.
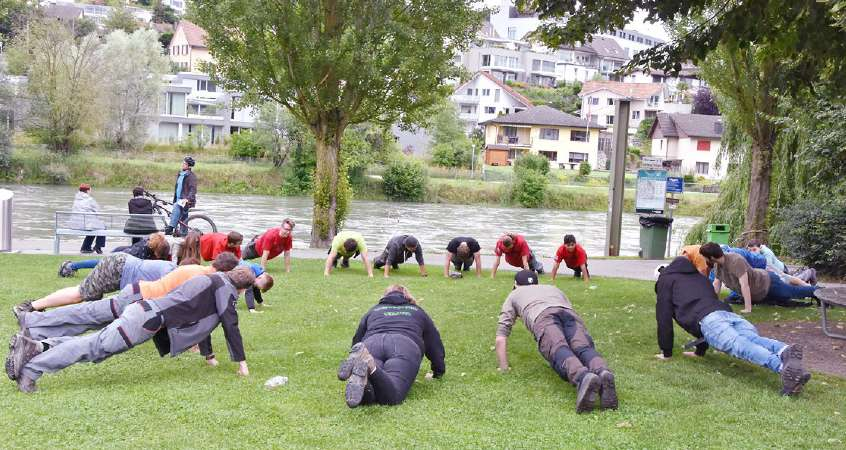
[357, 383]
[22, 328]
[607, 390]
[22, 350]
[65, 270]
[26, 384]
[586, 392]
[24, 307]
[793, 373]
[345, 369]
[792, 352]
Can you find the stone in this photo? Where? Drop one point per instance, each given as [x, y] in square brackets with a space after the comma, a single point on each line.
[275, 382]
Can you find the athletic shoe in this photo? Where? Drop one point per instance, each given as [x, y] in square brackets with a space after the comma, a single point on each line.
[586, 393]
[65, 270]
[357, 383]
[22, 328]
[345, 369]
[98, 250]
[24, 307]
[26, 384]
[607, 390]
[793, 374]
[168, 230]
[792, 352]
[86, 252]
[23, 349]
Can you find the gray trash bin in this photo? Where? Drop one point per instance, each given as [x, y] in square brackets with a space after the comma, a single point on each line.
[6, 220]
[653, 236]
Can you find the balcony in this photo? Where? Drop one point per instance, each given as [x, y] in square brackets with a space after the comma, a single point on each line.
[514, 141]
[465, 99]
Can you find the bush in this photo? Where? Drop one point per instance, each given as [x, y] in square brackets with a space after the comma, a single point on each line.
[584, 168]
[530, 188]
[246, 145]
[537, 163]
[405, 179]
[815, 234]
[689, 178]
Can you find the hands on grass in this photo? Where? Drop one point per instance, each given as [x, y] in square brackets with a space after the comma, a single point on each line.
[242, 369]
[212, 362]
[691, 354]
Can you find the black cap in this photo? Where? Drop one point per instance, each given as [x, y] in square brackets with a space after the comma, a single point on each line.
[525, 278]
[190, 161]
[410, 241]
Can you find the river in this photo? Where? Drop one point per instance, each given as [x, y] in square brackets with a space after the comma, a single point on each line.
[433, 224]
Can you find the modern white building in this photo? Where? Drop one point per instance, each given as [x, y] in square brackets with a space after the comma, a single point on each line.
[192, 103]
[509, 60]
[691, 143]
[97, 13]
[180, 6]
[633, 41]
[512, 24]
[485, 97]
[599, 102]
[601, 56]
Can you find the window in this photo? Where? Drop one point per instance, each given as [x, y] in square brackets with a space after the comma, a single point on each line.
[703, 146]
[649, 42]
[609, 120]
[507, 61]
[565, 56]
[593, 100]
[610, 102]
[640, 40]
[593, 118]
[496, 95]
[578, 136]
[552, 156]
[205, 85]
[468, 109]
[549, 66]
[490, 110]
[486, 60]
[578, 157]
[175, 104]
[702, 168]
[635, 115]
[469, 92]
[512, 33]
[536, 64]
[549, 134]
[486, 92]
[653, 99]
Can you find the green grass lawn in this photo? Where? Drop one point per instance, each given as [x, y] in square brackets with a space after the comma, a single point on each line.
[139, 400]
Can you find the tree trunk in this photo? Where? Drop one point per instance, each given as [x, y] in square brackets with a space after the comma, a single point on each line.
[755, 226]
[326, 174]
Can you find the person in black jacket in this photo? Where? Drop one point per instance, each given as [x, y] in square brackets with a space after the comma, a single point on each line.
[685, 295]
[139, 204]
[185, 317]
[184, 196]
[387, 350]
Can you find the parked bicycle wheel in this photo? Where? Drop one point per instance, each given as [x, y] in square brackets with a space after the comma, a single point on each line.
[201, 223]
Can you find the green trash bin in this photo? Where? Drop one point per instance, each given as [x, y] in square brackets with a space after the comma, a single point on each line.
[718, 232]
[653, 236]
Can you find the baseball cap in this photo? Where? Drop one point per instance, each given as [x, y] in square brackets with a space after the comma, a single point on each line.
[525, 278]
[410, 241]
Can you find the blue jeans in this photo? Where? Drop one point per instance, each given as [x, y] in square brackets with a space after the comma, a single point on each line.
[732, 334]
[86, 264]
[179, 213]
[779, 290]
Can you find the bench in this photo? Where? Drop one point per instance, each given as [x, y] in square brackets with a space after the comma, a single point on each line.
[109, 224]
[830, 297]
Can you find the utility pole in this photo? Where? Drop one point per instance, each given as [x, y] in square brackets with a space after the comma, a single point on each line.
[617, 182]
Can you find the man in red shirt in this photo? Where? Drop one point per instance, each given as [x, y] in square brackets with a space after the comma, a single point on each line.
[272, 243]
[213, 244]
[574, 256]
[517, 253]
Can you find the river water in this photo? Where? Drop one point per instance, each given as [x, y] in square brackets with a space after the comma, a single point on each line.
[433, 224]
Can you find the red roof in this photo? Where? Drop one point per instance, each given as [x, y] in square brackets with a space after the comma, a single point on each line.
[508, 89]
[639, 91]
[195, 35]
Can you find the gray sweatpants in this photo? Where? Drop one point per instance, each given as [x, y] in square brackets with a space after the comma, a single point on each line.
[73, 320]
[119, 336]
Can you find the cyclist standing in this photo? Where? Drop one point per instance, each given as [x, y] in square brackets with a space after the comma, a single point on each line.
[184, 195]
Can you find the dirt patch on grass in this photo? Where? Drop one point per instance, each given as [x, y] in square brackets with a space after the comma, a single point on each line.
[822, 353]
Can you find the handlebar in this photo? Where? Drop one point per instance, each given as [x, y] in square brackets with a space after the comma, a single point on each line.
[156, 199]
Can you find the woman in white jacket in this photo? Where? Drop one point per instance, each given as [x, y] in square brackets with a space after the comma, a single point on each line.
[85, 203]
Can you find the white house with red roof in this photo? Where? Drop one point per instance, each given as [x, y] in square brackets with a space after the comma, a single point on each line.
[599, 102]
[484, 97]
[691, 143]
[188, 47]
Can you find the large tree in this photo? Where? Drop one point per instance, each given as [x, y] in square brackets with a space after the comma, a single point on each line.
[782, 46]
[335, 63]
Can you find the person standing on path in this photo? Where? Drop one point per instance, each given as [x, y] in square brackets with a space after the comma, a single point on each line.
[83, 202]
[184, 196]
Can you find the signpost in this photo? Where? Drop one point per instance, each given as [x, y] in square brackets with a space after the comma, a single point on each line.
[675, 185]
[651, 190]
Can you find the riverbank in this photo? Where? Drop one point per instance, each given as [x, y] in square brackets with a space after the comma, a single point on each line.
[218, 173]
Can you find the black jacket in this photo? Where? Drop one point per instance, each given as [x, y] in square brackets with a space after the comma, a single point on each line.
[189, 189]
[398, 254]
[686, 296]
[140, 225]
[139, 249]
[394, 314]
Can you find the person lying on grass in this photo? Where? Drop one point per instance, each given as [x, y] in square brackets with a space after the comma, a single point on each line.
[562, 339]
[154, 246]
[263, 283]
[387, 350]
[113, 273]
[73, 320]
[687, 297]
[183, 318]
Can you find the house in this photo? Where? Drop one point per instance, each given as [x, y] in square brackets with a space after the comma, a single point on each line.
[564, 139]
[188, 48]
[601, 56]
[62, 12]
[691, 142]
[192, 103]
[485, 97]
[647, 100]
[179, 6]
[632, 41]
[511, 23]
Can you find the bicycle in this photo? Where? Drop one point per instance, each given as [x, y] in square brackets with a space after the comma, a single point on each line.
[195, 222]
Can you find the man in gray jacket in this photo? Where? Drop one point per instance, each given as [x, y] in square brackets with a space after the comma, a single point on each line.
[183, 318]
[562, 339]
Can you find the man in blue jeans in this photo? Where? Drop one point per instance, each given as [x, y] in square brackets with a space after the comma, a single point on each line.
[754, 285]
[184, 195]
[685, 295]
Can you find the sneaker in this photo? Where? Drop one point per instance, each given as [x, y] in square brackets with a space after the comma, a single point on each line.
[86, 251]
[168, 230]
[586, 393]
[98, 250]
[22, 328]
[65, 270]
[24, 307]
[793, 373]
[792, 352]
[23, 349]
[357, 383]
[26, 384]
[345, 369]
[607, 390]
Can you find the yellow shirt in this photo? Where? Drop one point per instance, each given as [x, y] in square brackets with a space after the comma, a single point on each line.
[156, 289]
